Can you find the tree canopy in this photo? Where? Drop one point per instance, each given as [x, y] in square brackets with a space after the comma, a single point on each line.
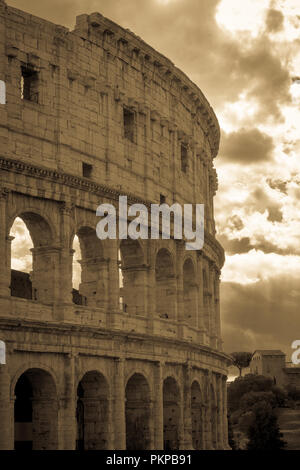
[241, 360]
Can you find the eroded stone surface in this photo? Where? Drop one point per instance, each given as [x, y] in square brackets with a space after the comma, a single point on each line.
[92, 114]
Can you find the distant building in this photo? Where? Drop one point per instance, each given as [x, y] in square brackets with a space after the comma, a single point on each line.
[272, 363]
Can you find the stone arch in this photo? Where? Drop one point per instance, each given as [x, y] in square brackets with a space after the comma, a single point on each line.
[140, 369]
[39, 283]
[137, 411]
[197, 416]
[165, 284]
[171, 411]
[213, 418]
[133, 271]
[33, 365]
[92, 412]
[41, 227]
[93, 286]
[190, 292]
[35, 411]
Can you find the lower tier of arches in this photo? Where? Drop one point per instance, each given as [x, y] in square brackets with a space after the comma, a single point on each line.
[175, 407]
[64, 386]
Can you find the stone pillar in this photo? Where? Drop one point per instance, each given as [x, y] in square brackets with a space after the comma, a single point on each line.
[213, 331]
[225, 419]
[151, 311]
[217, 309]
[119, 406]
[151, 445]
[67, 424]
[179, 274]
[207, 419]
[66, 259]
[181, 421]
[111, 248]
[200, 292]
[220, 421]
[158, 410]
[4, 245]
[6, 410]
[94, 281]
[188, 440]
[110, 428]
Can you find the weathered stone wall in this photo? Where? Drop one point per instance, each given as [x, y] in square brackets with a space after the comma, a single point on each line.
[90, 115]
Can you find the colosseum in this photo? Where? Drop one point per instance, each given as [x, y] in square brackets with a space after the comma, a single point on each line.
[132, 358]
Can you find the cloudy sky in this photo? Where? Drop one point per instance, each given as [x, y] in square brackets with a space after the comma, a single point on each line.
[245, 56]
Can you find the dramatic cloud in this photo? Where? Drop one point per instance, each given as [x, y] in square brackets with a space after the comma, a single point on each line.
[245, 57]
[274, 21]
[21, 257]
[263, 314]
[246, 146]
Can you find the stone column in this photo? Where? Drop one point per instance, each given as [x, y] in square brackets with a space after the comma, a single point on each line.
[46, 277]
[151, 311]
[213, 331]
[119, 406]
[188, 440]
[200, 293]
[67, 424]
[179, 274]
[181, 421]
[113, 280]
[217, 309]
[66, 260]
[110, 427]
[225, 420]
[207, 419]
[6, 410]
[220, 420]
[151, 445]
[158, 410]
[4, 245]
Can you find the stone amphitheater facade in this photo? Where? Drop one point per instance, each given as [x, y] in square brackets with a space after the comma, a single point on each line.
[89, 115]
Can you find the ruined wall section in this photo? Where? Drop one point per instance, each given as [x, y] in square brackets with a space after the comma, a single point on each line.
[86, 78]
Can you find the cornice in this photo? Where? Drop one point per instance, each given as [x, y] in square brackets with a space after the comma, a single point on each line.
[86, 185]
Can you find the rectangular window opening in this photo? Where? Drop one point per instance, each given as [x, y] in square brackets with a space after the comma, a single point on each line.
[129, 124]
[162, 199]
[184, 158]
[29, 84]
[87, 170]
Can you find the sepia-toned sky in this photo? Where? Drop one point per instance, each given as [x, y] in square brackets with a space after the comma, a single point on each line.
[245, 56]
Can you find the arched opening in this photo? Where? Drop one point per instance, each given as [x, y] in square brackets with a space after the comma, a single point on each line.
[133, 276]
[36, 411]
[21, 260]
[197, 419]
[92, 412]
[90, 270]
[213, 418]
[137, 413]
[171, 404]
[33, 258]
[165, 285]
[190, 300]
